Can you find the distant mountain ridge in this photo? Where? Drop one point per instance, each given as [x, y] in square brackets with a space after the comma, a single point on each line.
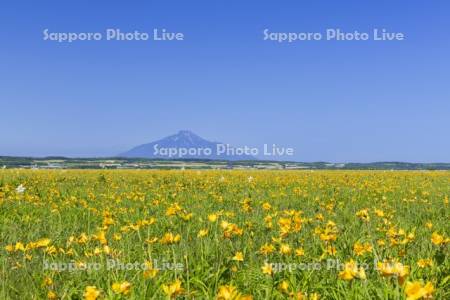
[185, 145]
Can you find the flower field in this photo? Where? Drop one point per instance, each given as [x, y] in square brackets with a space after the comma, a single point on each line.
[224, 234]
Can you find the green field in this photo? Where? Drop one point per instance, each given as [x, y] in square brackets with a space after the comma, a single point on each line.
[98, 234]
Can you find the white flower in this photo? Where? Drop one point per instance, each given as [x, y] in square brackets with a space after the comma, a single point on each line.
[20, 189]
[250, 179]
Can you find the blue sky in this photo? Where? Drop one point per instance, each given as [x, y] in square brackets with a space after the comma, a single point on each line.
[331, 101]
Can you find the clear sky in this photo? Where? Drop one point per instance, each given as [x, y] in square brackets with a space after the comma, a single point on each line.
[334, 101]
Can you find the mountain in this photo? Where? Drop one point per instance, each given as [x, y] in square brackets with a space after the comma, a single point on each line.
[186, 145]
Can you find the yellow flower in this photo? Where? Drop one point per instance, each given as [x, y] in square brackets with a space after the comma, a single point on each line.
[319, 217]
[173, 209]
[314, 296]
[363, 214]
[80, 264]
[416, 290]
[385, 268]
[267, 269]
[227, 292]
[106, 250]
[149, 271]
[266, 206]
[401, 270]
[360, 249]
[170, 238]
[19, 247]
[51, 250]
[151, 240]
[351, 271]
[173, 289]
[107, 220]
[437, 239]
[230, 229]
[47, 281]
[331, 250]
[284, 286]
[121, 287]
[346, 274]
[379, 212]
[423, 263]
[212, 218]
[361, 273]
[381, 242]
[101, 237]
[329, 233]
[51, 295]
[285, 249]
[9, 248]
[202, 233]
[393, 268]
[91, 293]
[238, 256]
[83, 238]
[225, 225]
[267, 249]
[187, 217]
[299, 252]
[42, 243]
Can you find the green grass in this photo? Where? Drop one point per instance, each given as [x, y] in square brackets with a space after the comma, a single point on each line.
[62, 204]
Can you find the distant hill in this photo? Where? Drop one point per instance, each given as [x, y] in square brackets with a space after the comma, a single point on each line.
[185, 145]
[8, 162]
